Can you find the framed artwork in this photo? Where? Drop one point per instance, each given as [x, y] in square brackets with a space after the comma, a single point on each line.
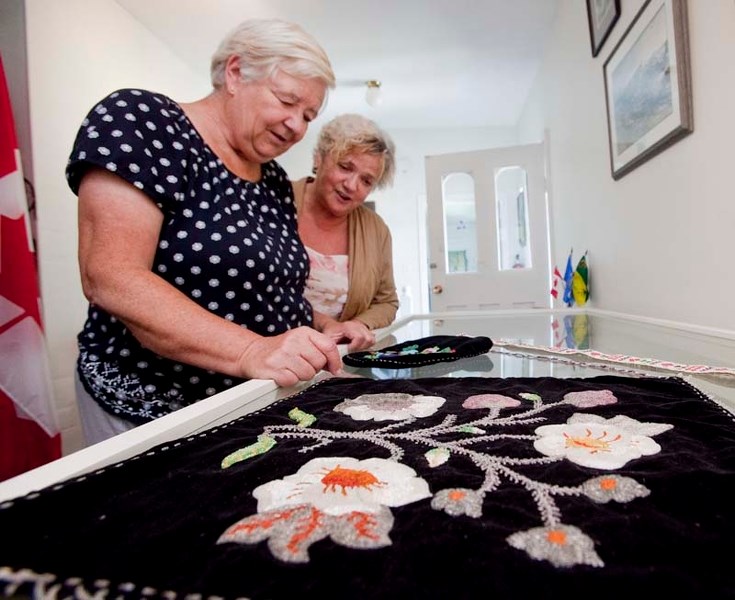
[648, 86]
[601, 16]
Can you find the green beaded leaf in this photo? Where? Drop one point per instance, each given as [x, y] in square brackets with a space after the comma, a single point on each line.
[302, 418]
[262, 446]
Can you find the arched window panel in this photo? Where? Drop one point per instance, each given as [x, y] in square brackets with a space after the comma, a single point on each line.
[511, 201]
[460, 223]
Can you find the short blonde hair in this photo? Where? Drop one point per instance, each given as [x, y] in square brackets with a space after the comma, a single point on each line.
[354, 133]
[265, 45]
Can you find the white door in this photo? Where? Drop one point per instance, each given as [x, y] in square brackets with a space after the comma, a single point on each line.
[488, 229]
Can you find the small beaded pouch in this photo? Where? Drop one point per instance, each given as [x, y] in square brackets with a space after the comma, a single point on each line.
[423, 351]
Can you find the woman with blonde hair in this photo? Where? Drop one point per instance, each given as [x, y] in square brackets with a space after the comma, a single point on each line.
[188, 248]
[350, 284]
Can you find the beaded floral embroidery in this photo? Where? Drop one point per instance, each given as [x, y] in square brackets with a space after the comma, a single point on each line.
[349, 500]
[436, 487]
[337, 497]
[407, 351]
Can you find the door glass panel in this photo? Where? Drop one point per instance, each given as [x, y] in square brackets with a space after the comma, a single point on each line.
[514, 250]
[460, 231]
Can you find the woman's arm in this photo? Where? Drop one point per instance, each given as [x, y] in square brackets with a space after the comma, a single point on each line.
[118, 233]
[384, 304]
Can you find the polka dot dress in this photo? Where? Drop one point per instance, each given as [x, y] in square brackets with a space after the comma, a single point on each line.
[228, 244]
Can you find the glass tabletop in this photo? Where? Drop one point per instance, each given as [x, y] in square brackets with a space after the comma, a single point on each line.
[538, 343]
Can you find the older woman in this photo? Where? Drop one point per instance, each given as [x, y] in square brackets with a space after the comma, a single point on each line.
[188, 248]
[351, 283]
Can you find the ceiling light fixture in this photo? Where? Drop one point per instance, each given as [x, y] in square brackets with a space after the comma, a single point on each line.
[373, 93]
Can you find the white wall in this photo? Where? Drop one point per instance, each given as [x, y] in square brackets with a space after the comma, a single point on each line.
[79, 51]
[660, 239]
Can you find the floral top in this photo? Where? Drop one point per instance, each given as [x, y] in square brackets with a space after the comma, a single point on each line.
[228, 244]
[326, 287]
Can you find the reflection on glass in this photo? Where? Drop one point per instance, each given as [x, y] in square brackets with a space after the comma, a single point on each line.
[511, 204]
[460, 231]
[575, 334]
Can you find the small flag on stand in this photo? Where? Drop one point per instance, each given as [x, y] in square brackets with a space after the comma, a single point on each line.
[557, 279]
[568, 275]
[580, 282]
[29, 434]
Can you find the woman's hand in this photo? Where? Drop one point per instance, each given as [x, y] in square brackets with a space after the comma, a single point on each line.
[354, 332]
[297, 355]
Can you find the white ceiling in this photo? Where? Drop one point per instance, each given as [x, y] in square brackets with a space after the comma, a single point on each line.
[442, 63]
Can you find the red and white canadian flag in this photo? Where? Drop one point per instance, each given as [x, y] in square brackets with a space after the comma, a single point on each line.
[29, 433]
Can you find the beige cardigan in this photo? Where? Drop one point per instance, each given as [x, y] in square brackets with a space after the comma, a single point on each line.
[371, 292]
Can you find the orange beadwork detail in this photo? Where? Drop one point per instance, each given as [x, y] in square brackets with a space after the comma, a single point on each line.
[599, 444]
[556, 536]
[608, 483]
[262, 522]
[349, 478]
[304, 530]
[364, 524]
[456, 495]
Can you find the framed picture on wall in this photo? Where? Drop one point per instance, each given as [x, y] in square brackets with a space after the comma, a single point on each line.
[601, 16]
[648, 86]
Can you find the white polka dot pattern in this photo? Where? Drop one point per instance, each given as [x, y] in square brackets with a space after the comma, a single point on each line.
[228, 244]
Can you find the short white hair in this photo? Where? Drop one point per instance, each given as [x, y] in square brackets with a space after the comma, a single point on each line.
[265, 45]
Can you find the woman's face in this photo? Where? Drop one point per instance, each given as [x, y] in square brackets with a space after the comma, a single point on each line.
[268, 116]
[342, 184]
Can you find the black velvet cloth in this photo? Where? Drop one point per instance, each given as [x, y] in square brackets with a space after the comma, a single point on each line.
[149, 526]
[423, 351]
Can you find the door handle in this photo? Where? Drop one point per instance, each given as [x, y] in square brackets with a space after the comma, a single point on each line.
[437, 289]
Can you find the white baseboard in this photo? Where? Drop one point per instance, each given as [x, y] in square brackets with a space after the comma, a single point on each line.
[689, 327]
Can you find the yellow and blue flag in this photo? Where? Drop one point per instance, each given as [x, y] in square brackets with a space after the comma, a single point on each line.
[580, 282]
